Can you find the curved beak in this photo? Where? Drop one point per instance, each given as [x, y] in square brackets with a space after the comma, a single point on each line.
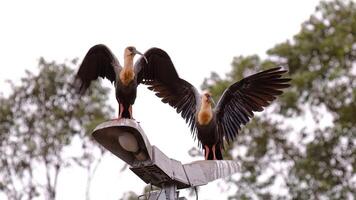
[212, 100]
[137, 52]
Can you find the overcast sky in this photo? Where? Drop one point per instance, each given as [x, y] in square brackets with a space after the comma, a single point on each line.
[200, 37]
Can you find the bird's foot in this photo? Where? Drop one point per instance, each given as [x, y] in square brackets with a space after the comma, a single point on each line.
[116, 119]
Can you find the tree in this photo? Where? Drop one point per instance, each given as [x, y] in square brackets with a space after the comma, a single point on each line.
[40, 121]
[308, 159]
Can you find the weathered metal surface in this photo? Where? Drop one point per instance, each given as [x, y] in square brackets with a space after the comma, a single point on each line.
[161, 170]
[171, 192]
[204, 171]
[179, 175]
[107, 134]
[158, 169]
[194, 174]
[151, 173]
[162, 161]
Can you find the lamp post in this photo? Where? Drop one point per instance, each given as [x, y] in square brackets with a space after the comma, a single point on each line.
[125, 139]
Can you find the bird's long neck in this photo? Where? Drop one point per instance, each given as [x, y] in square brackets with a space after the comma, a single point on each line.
[205, 114]
[127, 74]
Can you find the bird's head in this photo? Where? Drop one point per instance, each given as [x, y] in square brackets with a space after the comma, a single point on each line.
[207, 98]
[132, 51]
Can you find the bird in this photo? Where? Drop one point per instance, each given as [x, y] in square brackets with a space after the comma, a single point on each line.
[101, 62]
[212, 124]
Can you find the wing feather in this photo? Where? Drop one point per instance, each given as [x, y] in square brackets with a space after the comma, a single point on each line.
[236, 106]
[162, 78]
[98, 62]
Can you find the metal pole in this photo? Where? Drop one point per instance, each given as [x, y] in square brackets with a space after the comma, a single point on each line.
[168, 192]
[171, 192]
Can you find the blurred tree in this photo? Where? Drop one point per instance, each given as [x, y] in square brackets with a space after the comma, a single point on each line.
[146, 194]
[304, 145]
[44, 126]
[129, 196]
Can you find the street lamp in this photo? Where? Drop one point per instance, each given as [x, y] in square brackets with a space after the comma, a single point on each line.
[125, 139]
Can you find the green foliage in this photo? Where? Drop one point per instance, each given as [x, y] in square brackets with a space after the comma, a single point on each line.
[39, 121]
[310, 160]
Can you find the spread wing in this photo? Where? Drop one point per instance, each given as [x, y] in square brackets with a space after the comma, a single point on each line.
[161, 77]
[98, 62]
[240, 100]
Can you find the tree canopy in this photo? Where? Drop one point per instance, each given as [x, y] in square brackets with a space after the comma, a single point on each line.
[39, 121]
[304, 146]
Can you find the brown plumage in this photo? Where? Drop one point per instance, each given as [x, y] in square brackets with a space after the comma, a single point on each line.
[234, 109]
[101, 62]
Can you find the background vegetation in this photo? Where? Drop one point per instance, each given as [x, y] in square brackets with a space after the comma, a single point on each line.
[40, 121]
[305, 143]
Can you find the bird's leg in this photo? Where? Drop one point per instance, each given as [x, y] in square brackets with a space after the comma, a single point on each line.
[119, 113]
[121, 109]
[130, 111]
[213, 149]
[206, 151]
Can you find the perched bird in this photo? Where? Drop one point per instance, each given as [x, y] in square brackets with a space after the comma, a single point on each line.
[234, 109]
[101, 62]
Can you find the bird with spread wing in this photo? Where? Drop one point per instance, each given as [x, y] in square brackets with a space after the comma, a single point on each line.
[234, 109]
[101, 62]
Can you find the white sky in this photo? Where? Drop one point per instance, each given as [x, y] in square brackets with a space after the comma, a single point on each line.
[200, 36]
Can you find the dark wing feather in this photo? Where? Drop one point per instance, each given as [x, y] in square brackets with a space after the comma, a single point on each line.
[240, 100]
[98, 62]
[159, 67]
[161, 77]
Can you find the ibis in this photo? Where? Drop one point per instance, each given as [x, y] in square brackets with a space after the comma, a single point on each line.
[101, 62]
[212, 124]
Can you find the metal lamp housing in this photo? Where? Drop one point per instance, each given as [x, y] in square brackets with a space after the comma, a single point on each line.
[125, 139]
